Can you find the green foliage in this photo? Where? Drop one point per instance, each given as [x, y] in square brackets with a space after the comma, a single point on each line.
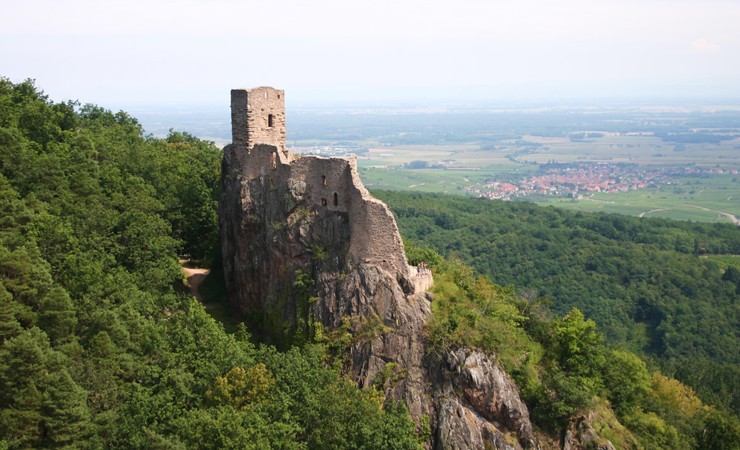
[389, 376]
[66, 417]
[572, 370]
[643, 281]
[672, 399]
[97, 350]
[561, 397]
[418, 253]
[40, 404]
[301, 213]
[562, 366]
[9, 325]
[302, 328]
[472, 311]
[576, 345]
[627, 380]
[720, 431]
[319, 252]
[242, 388]
[654, 432]
[57, 315]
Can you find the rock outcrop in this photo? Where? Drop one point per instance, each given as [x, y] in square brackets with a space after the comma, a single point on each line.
[306, 247]
[580, 435]
[478, 402]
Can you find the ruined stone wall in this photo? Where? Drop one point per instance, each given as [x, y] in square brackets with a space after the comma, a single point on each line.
[334, 183]
[324, 177]
[331, 183]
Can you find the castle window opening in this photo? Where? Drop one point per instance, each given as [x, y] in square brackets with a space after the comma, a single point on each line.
[323, 202]
[269, 120]
[336, 199]
[265, 94]
[273, 160]
[323, 180]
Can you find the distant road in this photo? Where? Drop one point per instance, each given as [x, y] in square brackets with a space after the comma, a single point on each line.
[724, 214]
[732, 217]
[642, 214]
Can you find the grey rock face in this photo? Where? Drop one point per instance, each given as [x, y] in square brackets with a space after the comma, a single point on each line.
[580, 435]
[479, 404]
[388, 328]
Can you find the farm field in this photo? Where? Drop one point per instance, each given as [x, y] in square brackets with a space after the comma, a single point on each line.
[709, 199]
[429, 180]
[458, 168]
[712, 199]
[639, 149]
[533, 150]
[454, 156]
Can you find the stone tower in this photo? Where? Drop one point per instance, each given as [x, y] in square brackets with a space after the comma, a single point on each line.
[258, 117]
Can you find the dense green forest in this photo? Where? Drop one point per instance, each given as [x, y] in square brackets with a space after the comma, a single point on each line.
[643, 281]
[98, 349]
[564, 368]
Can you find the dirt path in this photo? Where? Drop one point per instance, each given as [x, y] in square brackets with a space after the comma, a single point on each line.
[193, 278]
[611, 202]
[732, 217]
[642, 214]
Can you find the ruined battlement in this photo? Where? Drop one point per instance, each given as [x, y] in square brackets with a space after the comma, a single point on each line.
[332, 185]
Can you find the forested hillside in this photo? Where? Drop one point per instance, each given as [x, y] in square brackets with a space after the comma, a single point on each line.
[97, 350]
[566, 372]
[644, 281]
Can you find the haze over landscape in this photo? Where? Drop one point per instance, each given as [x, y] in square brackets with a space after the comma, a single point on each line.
[474, 224]
[121, 53]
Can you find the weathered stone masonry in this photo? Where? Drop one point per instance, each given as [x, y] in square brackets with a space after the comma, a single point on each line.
[258, 117]
[333, 183]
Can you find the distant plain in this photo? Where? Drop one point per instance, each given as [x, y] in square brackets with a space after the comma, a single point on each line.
[464, 149]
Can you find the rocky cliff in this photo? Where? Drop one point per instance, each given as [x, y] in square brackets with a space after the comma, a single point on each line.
[306, 248]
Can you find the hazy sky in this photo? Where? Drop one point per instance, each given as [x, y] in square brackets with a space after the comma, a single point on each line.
[188, 51]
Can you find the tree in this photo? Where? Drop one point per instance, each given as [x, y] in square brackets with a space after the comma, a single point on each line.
[66, 417]
[57, 315]
[627, 380]
[9, 326]
[23, 372]
[242, 388]
[720, 431]
[577, 346]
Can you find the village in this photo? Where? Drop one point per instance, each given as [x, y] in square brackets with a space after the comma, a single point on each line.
[573, 180]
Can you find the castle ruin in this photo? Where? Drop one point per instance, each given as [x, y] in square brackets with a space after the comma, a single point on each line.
[332, 184]
[306, 248]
